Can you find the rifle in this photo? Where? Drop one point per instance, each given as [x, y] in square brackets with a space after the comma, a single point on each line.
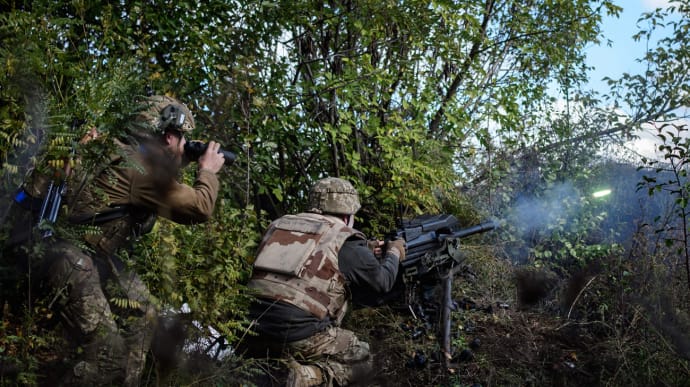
[47, 208]
[57, 188]
[433, 257]
[53, 199]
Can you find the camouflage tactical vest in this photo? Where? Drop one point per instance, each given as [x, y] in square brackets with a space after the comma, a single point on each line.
[297, 263]
[117, 227]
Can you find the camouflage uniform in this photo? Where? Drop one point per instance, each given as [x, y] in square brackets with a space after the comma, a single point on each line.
[122, 201]
[302, 295]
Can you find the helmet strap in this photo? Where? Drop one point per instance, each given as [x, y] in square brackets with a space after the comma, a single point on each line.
[350, 220]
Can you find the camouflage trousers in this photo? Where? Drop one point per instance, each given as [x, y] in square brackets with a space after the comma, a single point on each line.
[108, 310]
[338, 353]
[343, 358]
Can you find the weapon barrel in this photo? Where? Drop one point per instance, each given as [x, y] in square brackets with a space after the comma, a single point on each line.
[482, 227]
[424, 241]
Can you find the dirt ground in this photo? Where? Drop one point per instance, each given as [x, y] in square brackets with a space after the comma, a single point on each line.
[502, 334]
[506, 330]
[494, 346]
[494, 343]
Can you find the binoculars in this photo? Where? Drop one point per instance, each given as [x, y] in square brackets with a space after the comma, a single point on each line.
[194, 149]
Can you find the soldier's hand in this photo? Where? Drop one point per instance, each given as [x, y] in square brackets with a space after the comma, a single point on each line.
[397, 247]
[92, 134]
[376, 246]
[212, 160]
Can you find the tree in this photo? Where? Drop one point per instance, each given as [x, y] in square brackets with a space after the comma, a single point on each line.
[402, 94]
[408, 99]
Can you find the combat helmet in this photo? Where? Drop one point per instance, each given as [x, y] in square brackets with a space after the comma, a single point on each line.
[165, 113]
[334, 196]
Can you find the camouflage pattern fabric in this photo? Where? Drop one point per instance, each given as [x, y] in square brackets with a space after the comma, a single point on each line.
[334, 196]
[155, 105]
[145, 180]
[111, 354]
[106, 307]
[297, 263]
[343, 358]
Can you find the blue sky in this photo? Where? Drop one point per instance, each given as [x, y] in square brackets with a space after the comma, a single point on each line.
[620, 57]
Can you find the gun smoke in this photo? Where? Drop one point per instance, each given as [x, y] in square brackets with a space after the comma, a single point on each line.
[533, 213]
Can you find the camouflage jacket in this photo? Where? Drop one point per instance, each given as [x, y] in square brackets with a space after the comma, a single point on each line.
[138, 185]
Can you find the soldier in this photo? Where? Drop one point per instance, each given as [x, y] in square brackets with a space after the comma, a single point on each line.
[122, 201]
[306, 266]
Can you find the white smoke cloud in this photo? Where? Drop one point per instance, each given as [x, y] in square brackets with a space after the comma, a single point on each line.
[532, 213]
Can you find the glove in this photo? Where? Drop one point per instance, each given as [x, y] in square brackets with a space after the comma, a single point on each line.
[399, 246]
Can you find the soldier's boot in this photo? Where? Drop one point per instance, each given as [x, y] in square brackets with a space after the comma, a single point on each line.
[304, 375]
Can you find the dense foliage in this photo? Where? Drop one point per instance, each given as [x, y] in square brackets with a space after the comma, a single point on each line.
[443, 106]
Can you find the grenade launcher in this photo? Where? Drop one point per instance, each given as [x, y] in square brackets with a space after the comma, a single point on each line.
[432, 259]
[433, 245]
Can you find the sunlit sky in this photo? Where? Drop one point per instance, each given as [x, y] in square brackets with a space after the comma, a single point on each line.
[621, 56]
[614, 60]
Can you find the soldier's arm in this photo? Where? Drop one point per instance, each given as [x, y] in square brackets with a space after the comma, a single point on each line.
[180, 203]
[184, 204]
[361, 267]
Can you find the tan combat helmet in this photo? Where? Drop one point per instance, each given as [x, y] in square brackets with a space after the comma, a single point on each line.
[334, 196]
[166, 113]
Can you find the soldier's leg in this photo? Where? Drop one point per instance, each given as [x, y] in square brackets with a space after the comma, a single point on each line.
[341, 356]
[305, 375]
[139, 323]
[76, 292]
[17, 239]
